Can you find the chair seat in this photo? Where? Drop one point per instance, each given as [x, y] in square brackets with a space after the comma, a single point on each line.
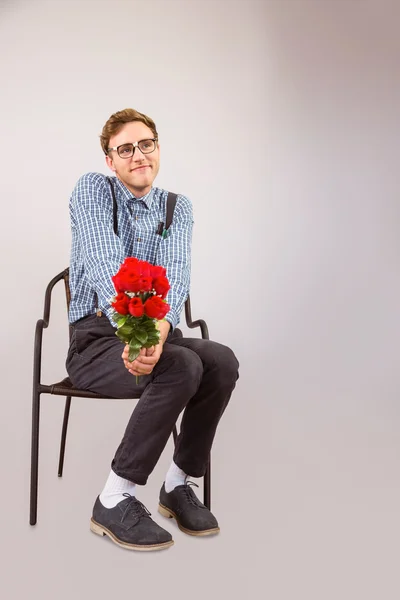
[66, 388]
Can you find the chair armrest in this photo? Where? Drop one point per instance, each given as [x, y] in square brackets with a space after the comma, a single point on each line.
[37, 351]
[40, 326]
[198, 323]
[47, 297]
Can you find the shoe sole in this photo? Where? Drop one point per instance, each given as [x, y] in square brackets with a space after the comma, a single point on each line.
[167, 512]
[100, 530]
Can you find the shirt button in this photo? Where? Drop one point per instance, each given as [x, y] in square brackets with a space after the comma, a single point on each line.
[136, 218]
[139, 239]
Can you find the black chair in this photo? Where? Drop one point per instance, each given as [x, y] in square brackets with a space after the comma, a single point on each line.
[65, 388]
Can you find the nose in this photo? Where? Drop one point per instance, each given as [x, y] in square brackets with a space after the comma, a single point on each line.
[137, 154]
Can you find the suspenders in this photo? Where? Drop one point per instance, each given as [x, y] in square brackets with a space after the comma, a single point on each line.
[115, 215]
[162, 228]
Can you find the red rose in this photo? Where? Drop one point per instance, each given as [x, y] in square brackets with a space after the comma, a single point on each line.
[117, 283]
[144, 268]
[128, 270]
[131, 282]
[131, 263]
[158, 271]
[137, 267]
[124, 281]
[130, 267]
[133, 276]
[136, 307]
[161, 286]
[156, 308]
[146, 284]
[121, 304]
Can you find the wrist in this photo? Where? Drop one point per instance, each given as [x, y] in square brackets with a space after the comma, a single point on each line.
[163, 327]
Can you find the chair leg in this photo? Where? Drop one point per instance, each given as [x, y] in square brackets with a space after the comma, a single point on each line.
[207, 485]
[64, 435]
[34, 457]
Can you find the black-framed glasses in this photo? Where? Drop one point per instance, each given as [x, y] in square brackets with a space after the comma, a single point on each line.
[128, 150]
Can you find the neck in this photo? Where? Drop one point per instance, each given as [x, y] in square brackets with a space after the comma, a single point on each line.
[137, 192]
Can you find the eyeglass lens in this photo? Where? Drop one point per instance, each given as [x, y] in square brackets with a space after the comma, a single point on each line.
[128, 150]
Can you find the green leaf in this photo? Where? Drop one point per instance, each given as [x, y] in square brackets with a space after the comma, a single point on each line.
[141, 335]
[150, 344]
[125, 332]
[154, 335]
[120, 319]
[150, 327]
[134, 343]
[120, 336]
[133, 353]
[152, 341]
[134, 349]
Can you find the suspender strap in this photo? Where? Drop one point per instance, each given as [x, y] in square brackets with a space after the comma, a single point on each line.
[115, 214]
[171, 201]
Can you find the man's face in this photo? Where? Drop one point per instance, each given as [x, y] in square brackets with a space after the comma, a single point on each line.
[139, 171]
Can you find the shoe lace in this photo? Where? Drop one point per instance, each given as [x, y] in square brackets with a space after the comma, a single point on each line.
[134, 508]
[190, 495]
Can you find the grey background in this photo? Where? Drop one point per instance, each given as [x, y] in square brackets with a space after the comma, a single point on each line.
[295, 266]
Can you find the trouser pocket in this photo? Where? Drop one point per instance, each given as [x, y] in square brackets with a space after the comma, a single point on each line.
[87, 331]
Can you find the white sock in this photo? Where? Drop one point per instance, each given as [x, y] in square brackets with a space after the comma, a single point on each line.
[114, 489]
[174, 477]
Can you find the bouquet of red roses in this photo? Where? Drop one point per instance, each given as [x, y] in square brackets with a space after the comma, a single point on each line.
[140, 302]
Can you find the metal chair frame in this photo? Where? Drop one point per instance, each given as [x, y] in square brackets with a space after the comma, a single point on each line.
[65, 388]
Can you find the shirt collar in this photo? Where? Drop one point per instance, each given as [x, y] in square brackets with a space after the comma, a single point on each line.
[128, 197]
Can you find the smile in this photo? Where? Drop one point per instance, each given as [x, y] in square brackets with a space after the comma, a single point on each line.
[142, 168]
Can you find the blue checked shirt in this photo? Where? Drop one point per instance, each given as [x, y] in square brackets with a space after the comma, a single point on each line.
[97, 253]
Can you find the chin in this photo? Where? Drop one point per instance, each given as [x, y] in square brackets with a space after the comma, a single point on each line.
[146, 181]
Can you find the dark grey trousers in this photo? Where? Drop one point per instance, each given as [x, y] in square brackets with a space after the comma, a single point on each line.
[194, 375]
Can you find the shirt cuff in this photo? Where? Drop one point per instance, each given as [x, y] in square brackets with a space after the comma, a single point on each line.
[172, 319]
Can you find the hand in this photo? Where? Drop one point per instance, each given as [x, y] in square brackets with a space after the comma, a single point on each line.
[148, 357]
[145, 362]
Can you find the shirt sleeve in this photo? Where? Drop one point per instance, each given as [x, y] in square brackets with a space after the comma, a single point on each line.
[174, 253]
[102, 251]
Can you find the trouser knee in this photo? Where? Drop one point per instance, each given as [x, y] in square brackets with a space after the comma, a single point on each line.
[226, 366]
[183, 370]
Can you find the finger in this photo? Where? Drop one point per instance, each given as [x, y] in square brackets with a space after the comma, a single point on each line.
[147, 360]
[144, 371]
[138, 365]
[134, 372]
[125, 353]
[127, 362]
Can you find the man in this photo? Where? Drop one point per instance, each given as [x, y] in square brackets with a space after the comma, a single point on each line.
[193, 375]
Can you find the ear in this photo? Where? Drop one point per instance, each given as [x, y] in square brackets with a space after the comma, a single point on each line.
[110, 163]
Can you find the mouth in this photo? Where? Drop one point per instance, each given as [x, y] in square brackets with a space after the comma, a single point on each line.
[141, 168]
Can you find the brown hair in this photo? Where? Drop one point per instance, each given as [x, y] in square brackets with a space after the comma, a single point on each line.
[118, 120]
